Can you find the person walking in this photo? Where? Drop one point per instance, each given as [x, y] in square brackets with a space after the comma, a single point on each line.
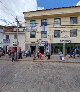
[71, 53]
[48, 54]
[34, 55]
[60, 53]
[20, 54]
[13, 56]
[40, 56]
[9, 53]
[29, 53]
[74, 54]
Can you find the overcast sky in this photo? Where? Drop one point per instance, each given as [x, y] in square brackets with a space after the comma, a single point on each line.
[9, 9]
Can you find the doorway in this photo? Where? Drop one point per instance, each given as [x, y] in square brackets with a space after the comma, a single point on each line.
[41, 49]
[33, 48]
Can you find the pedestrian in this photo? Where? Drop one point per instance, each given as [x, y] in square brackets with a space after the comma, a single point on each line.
[13, 56]
[48, 55]
[29, 53]
[20, 54]
[40, 56]
[9, 53]
[60, 53]
[71, 53]
[34, 55]
[74, 54]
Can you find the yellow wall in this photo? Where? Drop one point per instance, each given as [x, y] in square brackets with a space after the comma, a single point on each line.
[62, 11]
[49, 15]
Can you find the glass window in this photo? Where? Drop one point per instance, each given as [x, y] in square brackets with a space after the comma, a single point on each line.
[57, 21]
[44, 22]
[73, 20]
[56, 33]
[32, 34]
[73, 33]
[15, 36]
[7, 36]
[32, 24]
[43, 34]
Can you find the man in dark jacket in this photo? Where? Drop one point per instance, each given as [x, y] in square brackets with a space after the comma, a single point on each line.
[20, 54]
[13, 55]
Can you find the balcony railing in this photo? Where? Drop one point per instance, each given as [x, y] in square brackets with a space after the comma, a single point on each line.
[6, 40]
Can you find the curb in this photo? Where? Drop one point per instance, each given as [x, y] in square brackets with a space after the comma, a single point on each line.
[56, 61]
[59, 61]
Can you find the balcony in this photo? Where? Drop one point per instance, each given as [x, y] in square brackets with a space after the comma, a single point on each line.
[6, 40]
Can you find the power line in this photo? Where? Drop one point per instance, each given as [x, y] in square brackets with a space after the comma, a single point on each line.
[7, 8]
[8, 11]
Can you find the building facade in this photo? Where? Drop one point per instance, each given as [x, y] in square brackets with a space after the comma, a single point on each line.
[58, 28]
[1, 37]
[10, 38]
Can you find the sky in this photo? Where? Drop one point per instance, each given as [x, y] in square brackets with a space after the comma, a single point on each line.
[56, 3]
[9, 9]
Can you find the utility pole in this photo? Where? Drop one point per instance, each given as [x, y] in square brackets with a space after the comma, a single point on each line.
[17, 36]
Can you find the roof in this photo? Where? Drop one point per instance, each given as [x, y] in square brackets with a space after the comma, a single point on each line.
[53, 9]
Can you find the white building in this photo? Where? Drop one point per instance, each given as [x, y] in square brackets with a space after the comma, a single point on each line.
[1, 37]
[10, 38]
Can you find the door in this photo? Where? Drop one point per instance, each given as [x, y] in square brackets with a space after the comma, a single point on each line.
[41, 49]
[32, 49]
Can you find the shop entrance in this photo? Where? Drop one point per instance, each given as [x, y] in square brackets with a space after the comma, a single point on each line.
[41, 49]
[56, 49]
[32, 49]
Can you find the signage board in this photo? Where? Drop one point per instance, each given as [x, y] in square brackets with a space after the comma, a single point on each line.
[65, 41]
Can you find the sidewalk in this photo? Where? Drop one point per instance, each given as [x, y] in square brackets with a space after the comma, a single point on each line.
[54, 58]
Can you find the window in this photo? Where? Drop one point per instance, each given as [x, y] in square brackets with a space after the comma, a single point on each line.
[73, 20]
[56, 33]
[43, 34]
[32, 24]
[73, 33]
[44, 22]
[32, 34]
[7, 36]
[15, 36]
[57, 21]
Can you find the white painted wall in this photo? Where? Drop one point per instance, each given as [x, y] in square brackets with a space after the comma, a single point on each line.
[1, 37]
[21, 39]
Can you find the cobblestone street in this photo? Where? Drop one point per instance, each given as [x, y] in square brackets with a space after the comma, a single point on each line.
[29, 76]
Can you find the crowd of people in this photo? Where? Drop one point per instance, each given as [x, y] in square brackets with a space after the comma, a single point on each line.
[39, 55]
[14, 55]
[36, 54]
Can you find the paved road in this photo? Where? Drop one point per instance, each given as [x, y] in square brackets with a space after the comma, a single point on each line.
[28, 76]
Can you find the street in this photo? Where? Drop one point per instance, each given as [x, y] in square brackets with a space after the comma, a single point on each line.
[29, 76]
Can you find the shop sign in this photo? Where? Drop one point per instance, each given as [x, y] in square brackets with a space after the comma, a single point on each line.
[65, 41]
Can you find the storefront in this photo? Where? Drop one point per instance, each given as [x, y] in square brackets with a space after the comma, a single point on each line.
[55, 48]
[33, 48]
